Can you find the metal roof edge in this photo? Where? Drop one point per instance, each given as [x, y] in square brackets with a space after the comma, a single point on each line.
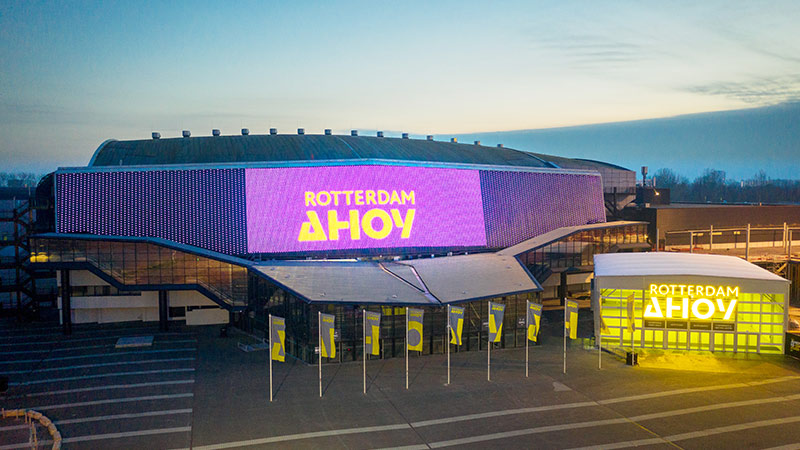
[97, 152]
[326, 162]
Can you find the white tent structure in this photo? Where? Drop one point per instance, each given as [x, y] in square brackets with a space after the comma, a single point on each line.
[688, 302]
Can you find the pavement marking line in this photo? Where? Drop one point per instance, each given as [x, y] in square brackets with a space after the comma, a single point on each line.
[102, 355]
[124, 416]
[112, 400]
[526, 431]
[794, 446]
[100, 437]
[25, 445]
[630, 420]
[96, 338]
[106, 387]
[88, 347]
[697, 434]
[631, 398]
[89, 366]
[507, 412]
[14, 427]
[425, 423]
[100, 333]
[758, 401]
[697, 389]
[102, 375]
[410, 447]
[311, 435]
[774, 380]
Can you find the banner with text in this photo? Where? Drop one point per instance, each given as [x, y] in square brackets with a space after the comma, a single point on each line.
[298, 209]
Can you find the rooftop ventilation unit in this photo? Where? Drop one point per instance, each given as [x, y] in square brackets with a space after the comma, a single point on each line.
[380, 133]
[215, 132]
[429, 137]
[327, 131]
[405, 135]
[499, 145]
[477, 142]
[454, 140]
[187, 133]
[245, 131]
[353, 132]
[273, 131]
[301, 131]
[156, 135]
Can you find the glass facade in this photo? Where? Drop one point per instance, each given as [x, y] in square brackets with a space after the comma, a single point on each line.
[577, 250]
[302, 326]
[755, 326]
[147, 266]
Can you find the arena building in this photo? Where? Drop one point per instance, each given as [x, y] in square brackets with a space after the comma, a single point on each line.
[220, 228]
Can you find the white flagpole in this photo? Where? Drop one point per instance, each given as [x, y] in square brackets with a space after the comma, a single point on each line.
[489, 347]
[406, 347]
[447, 342]
[270, 357]
[364, 313]
[565, 335]
[527, 327]
[319, 317]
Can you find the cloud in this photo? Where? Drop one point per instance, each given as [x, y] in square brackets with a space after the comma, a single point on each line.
[590, 51]
[760, 91]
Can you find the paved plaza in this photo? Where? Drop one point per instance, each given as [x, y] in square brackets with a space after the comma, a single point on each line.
[194, 389]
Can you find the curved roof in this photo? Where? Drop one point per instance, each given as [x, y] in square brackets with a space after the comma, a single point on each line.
[284, 147]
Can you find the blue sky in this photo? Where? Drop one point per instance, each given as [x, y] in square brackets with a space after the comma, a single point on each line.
[77, 73]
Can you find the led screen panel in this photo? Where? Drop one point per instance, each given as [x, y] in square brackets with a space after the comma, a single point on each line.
[522, 205]
[204, 208]
[237, 211]
[298, 209]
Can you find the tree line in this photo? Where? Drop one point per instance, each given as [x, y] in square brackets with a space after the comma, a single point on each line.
[19, 179]
[713, 186]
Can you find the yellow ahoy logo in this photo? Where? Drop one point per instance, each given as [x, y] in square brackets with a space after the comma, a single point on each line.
[701, 308]
[376, 223]
[686, 301]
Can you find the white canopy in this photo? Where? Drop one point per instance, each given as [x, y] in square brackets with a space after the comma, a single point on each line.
[667, 263]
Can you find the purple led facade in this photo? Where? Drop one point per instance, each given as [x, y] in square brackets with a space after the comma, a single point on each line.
[204, 208]
[238, 211]
[522, 205]
[298, 209]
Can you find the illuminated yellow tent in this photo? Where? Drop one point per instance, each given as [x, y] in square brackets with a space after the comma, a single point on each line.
[689, 302]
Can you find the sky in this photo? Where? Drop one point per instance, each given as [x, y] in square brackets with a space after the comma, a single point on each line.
[73, 74]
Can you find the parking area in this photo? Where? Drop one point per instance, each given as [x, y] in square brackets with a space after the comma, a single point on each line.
[194, 389]
[100, 396]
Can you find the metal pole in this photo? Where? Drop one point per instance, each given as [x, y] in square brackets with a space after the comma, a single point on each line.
[711, 238]
[447, 342]
[600, 350]
[747, 245]
[565, 335]
[784, 234]
[269, 356]
[489, 352]
[319, 335]
[406, 347]
[364, 326]
[789, 247]
[527, 327]
[691, 242]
